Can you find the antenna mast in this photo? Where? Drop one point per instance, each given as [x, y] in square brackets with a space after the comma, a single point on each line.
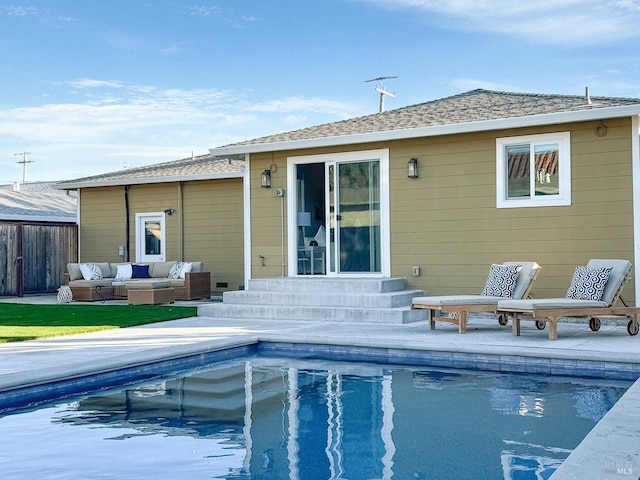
[380, 89]
[24, 162]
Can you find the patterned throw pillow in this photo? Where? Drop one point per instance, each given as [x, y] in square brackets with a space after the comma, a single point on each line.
[588, 283]
[174, 271]
[91, 271]
[501, 281]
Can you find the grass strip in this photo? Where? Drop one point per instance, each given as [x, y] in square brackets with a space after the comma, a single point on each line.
[29, 322]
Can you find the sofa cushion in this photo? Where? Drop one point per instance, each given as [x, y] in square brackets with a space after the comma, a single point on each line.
[197, 267]
[105, 282]
[147, 283]
[160, 269]
[74, 271]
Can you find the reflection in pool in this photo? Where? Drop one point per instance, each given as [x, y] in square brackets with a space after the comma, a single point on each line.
[273, 418]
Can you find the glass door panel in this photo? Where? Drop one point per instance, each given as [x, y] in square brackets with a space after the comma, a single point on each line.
[354, 217]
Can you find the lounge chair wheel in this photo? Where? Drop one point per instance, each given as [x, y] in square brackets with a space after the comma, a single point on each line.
[503, 319]
[594, 324]
[540, 324]
[632, 327]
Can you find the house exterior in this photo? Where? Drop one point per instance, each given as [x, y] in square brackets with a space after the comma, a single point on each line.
[186, 210]
[38, 237]
[500, 177]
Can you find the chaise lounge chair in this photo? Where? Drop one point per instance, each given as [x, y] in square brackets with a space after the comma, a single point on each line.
[509, 280]
[594, 291]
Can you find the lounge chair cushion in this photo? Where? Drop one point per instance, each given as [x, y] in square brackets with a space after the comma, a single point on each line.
[588, 283]
[502, 280]
[529, 304]
[619, 271]
[456, 300]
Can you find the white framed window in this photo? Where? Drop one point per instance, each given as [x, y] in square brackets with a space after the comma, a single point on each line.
[533, 170]
[150, 237]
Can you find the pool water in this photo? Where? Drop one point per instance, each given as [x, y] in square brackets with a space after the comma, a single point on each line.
[264, 417]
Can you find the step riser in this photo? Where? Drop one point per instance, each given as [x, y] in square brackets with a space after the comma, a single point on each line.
[394, 300]
[327, 285]
[309, 313]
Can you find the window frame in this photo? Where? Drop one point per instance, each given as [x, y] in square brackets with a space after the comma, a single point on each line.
[563, 198]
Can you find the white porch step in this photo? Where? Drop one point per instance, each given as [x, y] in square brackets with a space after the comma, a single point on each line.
[320, 298]
[363, 300]
[305, 313]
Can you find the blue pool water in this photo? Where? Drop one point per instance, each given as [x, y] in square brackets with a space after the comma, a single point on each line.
[268, 417]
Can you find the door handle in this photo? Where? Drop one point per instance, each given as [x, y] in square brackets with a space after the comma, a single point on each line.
[338, 217]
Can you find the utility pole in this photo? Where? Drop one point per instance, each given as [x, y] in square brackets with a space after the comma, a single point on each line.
[380, 89]
[24, 162]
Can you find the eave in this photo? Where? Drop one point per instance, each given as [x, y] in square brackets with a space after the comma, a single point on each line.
[74, 185]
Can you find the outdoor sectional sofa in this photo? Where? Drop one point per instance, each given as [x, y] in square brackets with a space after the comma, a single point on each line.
[190, 285]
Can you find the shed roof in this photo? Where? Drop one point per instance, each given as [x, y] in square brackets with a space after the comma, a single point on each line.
[36, 202]
[201, 167]
[475, 110]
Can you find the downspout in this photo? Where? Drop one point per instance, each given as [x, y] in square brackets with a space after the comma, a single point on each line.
[127, 222]
[635, 164]
[180, 222]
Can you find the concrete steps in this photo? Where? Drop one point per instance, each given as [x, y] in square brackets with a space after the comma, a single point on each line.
[320, 298]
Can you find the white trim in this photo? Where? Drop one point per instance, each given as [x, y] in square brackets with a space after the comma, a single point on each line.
[385, 234]
[38, 218]
[635, 168]
[563, 139]
[590, 113]
[246, 192]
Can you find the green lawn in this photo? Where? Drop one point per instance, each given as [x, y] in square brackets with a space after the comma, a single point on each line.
[28, 322]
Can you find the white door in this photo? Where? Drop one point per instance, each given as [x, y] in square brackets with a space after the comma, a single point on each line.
[150, 237]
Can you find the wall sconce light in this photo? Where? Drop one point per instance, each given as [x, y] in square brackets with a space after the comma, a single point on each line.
[169, 211]
[265, 181]
[412, 168]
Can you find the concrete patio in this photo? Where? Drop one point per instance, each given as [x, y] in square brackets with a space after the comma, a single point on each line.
[611, 450]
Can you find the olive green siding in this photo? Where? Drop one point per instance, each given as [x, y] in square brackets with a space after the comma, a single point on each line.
[102, 224]
[446, 221]
[207, 224]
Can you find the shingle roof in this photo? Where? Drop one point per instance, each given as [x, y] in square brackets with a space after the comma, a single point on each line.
[36, 202]
[473, 106]
[199, 167]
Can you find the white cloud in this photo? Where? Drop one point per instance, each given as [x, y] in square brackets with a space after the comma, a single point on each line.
[115, 123]
[564, 22]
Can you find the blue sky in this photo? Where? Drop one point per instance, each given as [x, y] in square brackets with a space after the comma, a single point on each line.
[93, 86]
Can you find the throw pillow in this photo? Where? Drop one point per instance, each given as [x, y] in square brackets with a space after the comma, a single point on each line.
[186, 267]
[174, 271]
[125, 272]
[90, 271]
[588, 283]
[139, 271]
[501, 281]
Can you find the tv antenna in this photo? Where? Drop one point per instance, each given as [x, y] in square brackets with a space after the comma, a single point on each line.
[380, 89]
[24, 162]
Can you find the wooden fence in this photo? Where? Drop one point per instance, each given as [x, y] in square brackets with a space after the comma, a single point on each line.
[34, 257]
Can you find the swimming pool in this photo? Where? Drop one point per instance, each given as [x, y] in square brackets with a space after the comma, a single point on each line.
[267, 416]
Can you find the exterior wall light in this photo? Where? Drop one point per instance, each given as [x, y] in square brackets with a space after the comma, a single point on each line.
[265, 181]
[412, 168]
